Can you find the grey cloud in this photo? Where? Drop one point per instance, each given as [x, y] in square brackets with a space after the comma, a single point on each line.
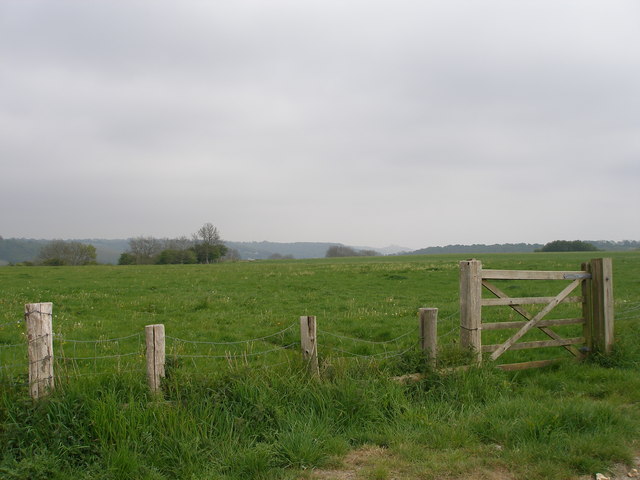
[308, 115]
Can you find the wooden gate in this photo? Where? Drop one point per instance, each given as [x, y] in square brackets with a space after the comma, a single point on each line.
[595, 295]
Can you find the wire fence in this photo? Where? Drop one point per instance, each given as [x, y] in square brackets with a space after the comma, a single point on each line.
[274, 348]
[13, 353]
[90, 357]
[75, 357]
[631, 311]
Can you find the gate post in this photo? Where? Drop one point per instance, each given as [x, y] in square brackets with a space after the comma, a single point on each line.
[599, 306]
[470, 306]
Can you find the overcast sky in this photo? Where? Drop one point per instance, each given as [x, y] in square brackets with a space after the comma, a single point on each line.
[408, 122]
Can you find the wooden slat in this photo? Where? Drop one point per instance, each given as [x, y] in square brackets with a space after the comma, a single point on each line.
[528, 316]
[560, 342]
[532, 323]
[524, 365]
[542, 323]
[533, 275]
[492, 302]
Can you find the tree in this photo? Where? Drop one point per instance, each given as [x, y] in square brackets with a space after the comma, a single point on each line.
[208, 247]
[279, 256]
[340, 251]
[209, 253]
[170, 256]
[568, 246]
[232, 255]
[144, 249]
[126, 258]
[60, 252]
[180, 243]
[344, 251]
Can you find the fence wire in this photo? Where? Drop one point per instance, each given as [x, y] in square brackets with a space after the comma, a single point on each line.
[82, 357]
[264, 351]
[75, 357]
[13, 354]
[631, 311]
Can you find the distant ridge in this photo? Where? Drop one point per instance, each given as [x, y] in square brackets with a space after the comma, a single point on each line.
[264, 249]
[478, 248]
[16, 250]
[605, 245]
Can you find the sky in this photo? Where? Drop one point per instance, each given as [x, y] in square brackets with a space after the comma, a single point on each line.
[366, 122]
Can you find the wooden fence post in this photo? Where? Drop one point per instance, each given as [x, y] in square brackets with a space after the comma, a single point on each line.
[600, 301]
[429, 333]
[155, 355]
[308, 343]
[470, 306]
[40, 337]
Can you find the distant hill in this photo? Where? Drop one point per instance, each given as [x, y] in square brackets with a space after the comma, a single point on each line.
[263, 250]
[606, 245]
[16, 250]
[609, 246]
[478, 248]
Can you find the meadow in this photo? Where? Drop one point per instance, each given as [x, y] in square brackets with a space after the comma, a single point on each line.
[239, 404]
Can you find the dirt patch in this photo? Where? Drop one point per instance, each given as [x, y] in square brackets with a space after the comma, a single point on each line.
[353, 463]
[373, 462]
[364, 463]
[619, 472]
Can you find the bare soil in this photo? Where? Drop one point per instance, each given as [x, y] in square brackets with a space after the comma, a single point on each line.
[364, 464]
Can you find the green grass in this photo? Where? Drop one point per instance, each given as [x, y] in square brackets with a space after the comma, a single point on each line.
[253, 415]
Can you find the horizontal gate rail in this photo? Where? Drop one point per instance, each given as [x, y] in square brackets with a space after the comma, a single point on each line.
[491, 302]
[542, 323]
[533, 275]
[537, 344]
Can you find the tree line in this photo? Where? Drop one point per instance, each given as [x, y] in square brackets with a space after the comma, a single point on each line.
[568, 246]
[344, 251]
[204, 246]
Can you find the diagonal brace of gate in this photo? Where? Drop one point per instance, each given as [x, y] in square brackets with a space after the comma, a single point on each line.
[527, 315]
[532, 323]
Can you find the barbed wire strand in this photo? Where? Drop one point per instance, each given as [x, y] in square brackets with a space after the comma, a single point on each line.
[378, 356]
[100, 357]
[228, 356]
[203, 342]
[324, 332]
[633, 307]
[71, 340]
[13, 345]
[13, 322]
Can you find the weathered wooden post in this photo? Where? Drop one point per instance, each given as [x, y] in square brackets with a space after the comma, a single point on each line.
[155, 355]
[599, 306]
[429, 333]
[470, 306]
[308, 343]
[40, 337]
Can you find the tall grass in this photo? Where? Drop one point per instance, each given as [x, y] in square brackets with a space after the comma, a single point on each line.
[271, 420]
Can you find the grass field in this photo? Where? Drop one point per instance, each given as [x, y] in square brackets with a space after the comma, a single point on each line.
[237, 403]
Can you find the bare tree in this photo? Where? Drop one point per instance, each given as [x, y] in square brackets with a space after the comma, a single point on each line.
[179, 243]
[208, 246]
[60, 252]
[144, 249]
